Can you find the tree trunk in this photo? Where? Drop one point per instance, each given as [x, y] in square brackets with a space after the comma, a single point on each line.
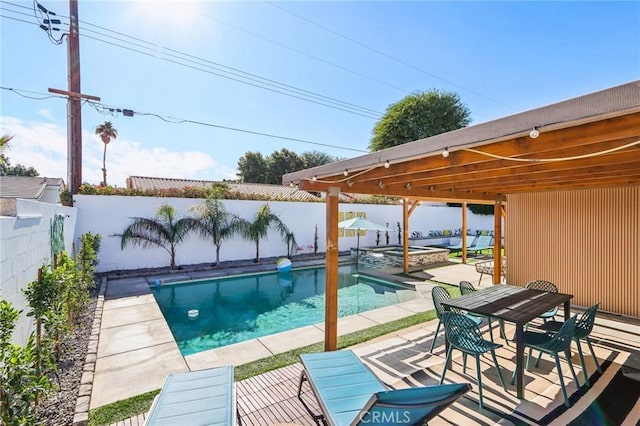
[257, 251]
[217, 254]
[173, 258]
[104, 165]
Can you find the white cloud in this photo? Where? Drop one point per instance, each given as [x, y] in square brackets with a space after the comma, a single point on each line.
[46, 113]
[44, 147]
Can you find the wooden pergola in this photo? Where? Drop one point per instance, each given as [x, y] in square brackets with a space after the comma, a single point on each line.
[592, 141]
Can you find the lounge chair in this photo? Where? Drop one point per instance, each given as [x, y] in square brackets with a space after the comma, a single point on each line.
[458, 245]
[350, 394]
[483, 242]
[196, 397]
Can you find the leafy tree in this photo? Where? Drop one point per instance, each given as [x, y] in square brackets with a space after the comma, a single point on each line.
[18, 170]
[252, 167]
[418, 116]
[215, 222]
[262, 222]
[163, 231]
[106, 131]
[280, 163]
[481, 209]
[315, 158]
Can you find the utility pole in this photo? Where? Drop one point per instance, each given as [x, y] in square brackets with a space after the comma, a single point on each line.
[74, 107]
[74, 113]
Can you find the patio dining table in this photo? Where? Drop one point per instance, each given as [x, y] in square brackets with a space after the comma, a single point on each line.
[514, 304]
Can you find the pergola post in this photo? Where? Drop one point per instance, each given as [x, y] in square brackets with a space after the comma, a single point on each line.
[497, 242]
[408, 207]
[464, 232]
[331, 263]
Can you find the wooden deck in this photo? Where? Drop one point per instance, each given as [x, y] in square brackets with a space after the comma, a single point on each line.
[270, 398]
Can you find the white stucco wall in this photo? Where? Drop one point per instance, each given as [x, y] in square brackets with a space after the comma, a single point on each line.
[25, 244]
[108, 215]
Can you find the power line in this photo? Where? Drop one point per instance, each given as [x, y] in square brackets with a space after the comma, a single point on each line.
[204, 65]
[46, 22]
[22, 92]
[386, 55]
[107, 109]
[303, 53]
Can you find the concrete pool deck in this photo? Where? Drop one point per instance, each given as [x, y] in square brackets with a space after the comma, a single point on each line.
[136, 350]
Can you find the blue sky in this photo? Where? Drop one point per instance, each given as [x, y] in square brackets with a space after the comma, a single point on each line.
[500, 57]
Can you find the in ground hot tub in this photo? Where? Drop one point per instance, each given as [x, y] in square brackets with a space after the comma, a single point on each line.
[393, 255]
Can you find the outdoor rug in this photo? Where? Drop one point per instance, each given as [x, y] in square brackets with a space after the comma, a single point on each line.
[612, 399]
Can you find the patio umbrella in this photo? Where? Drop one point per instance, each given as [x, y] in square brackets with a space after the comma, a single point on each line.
[360, 224]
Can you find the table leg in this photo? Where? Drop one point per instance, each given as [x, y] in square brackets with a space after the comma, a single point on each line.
[520, 360]
[567, 310]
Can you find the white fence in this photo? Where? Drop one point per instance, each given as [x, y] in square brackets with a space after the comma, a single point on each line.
[25, 244]
[25, 239]
[109, 215]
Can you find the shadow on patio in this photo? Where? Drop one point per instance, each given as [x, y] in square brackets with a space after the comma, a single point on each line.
[403, 360]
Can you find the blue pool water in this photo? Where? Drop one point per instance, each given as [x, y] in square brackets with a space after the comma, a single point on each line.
[235, 309]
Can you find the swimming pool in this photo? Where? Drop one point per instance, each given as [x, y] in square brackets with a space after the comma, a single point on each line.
[235, 309]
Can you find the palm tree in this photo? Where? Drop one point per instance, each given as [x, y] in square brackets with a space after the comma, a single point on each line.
[106, 131]
[256, 230]
[4, 145]
[215, 222]
[162, 231]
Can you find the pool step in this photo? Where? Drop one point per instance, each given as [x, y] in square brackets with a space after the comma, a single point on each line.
[399, 296]
[406, 295]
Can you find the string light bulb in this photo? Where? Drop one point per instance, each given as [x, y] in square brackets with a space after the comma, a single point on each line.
[445, 153]
[314, 178]
[346, 172]
[387, 164]
[534, 133]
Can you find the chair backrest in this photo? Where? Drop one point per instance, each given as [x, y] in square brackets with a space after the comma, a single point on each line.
[483, 241]
[463, 333]
[466, 287]
[413, 406]
[439, 295]
[562, 340]
[584, 324]
[542, 285]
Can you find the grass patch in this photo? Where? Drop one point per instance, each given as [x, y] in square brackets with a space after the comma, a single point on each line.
[121, 410]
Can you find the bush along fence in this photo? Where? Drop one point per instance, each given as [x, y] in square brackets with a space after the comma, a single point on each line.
[58, 295]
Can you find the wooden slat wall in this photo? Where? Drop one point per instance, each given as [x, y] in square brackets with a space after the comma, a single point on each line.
[586, 242]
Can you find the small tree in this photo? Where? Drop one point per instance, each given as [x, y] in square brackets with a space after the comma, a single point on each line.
[88, 258]
[215, 222]
[262, 222]
[163, 231]
[43, 296]
[20, 383]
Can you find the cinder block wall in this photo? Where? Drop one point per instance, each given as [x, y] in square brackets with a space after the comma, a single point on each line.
[25, 244]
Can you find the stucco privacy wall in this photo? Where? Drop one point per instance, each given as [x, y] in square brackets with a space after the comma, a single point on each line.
[25, 244]
[108, 215]
[587, 242]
